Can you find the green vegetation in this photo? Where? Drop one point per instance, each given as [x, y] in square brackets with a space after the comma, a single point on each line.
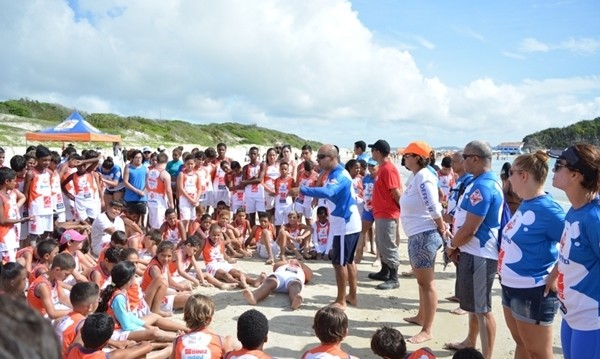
[138, 130]
[583, 131]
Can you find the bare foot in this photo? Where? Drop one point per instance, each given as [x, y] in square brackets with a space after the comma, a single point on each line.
[420, 338]
[413, 320]
[270, 261]
[243, 284]
[228, 286]
[351, 301]
[456, 346]
[249, 296]
[297, 302]
[339, 305]
[261, 278]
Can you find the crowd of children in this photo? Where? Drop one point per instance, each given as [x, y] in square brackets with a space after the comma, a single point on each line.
[108, 272]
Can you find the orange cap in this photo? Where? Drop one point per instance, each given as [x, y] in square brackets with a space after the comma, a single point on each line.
[420, 148]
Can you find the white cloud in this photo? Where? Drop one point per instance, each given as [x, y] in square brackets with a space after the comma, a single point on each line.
[582, 45]
[532, 45]
[311, 68]
[470, 33]
[513, 55]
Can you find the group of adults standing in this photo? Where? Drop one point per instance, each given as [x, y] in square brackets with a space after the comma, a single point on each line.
[546, 259]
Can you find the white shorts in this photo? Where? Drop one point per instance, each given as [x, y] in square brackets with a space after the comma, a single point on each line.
[269, 201]
[255, 204]
[8, 254]
[281, 213]
[70, 212]
[156, 214]
[187, 212]
[167, 303]
[41, 223]
[120, 335]
[261, 249]
[61, 216]
[304, 210]
[213, 267]
[204, 198]
[87, 208]
[284, 279]
[218, 196]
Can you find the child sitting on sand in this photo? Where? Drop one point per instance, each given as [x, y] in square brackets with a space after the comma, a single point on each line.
[331, 327]
[389, 343]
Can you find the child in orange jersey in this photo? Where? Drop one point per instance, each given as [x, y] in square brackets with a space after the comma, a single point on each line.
[184, 260]
[263, 236]
[198, 314]
[173, 230]
[149, 243]
[188, 188]
[46, 294]
[242, 224]
[133, 231]
[84, 299]
[157, 280]
[202, 228]
[100, 274]
[195, 225]
[13, 280]
[234, 179]
[38, 191]
[389, 343]
[231, 237]
[10, 201]
[115, 302]
[96, 332]
[303, 204]
[46, 251]
[331, 327]
[283, 202]
[294, 236]
[252, 331]
[71, 242]
[217, 264]
[321, 237]
[86, 195]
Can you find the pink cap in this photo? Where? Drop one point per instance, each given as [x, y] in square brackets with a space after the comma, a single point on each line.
[71, 235]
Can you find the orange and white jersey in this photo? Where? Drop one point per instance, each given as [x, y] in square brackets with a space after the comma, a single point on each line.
[155, 186]
[199, 344]
[57, 196]
[190, 183]
[77, 351]
[85, 187]
[321, 233]
[237, 196]
[205, 176]
[326, 351]
[66, 328]
[271, 174]
[282, 188]
[40, 193]
[213, 252]
[293, 231]
[173, 234]
[219, 180]
[147, 278]
[36, 302]
[242, 228]
[254, 190]
[306, 180]
[186, 261]
[69, 186]
[10, 232]
[247, 354]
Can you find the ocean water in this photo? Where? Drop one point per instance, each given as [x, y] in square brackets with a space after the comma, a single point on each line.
[558, 194]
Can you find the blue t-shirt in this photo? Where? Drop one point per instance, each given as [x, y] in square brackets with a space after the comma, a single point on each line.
[174, 167]
[579, 267]
[459, 189]
[529, 243]
[339, 192]
[483, 198]
[114, 174]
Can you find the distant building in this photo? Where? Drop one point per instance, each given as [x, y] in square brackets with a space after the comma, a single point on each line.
[510, 148]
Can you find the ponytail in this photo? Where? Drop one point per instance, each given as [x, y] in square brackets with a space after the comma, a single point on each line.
[121, 274]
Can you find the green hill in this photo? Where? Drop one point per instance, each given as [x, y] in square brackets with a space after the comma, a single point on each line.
[583, 131]
[20, 116]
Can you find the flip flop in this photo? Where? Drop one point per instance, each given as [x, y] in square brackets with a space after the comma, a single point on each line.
[453, 299]
[458, 311]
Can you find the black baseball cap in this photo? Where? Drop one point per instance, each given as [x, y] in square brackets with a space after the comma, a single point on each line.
[381, 146]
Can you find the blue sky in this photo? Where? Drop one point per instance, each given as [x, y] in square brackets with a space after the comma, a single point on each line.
[329, 70]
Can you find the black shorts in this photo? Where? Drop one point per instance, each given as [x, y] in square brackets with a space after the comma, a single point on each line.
[138, 207]
[342, 251]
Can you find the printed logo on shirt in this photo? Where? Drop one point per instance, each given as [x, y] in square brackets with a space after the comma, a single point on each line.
[475, 198]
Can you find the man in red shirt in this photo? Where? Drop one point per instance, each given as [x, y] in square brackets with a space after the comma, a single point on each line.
[386, 211]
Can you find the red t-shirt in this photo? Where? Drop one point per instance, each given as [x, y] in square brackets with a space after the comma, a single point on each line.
[384, 205]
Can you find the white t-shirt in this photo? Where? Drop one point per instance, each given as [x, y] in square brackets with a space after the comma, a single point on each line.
[420, 203]
[99, 236]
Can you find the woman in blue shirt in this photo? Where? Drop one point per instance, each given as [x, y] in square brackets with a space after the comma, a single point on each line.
[577, 172]
[527, 256]
[112, 178]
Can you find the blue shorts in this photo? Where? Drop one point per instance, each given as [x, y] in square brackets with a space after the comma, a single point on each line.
[367, 216]
[422, 248]
[342, 251]
[529, 304]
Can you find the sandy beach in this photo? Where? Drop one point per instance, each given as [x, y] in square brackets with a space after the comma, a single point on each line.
[290, 332]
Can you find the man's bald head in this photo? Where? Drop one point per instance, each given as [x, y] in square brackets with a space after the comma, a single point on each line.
[327, 156]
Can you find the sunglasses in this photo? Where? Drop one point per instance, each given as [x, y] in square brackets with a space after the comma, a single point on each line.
[465, 156]
[558, 166]
[321, 156]
[409, 155]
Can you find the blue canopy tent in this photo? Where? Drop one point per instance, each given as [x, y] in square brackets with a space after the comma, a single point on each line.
[73, 129]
